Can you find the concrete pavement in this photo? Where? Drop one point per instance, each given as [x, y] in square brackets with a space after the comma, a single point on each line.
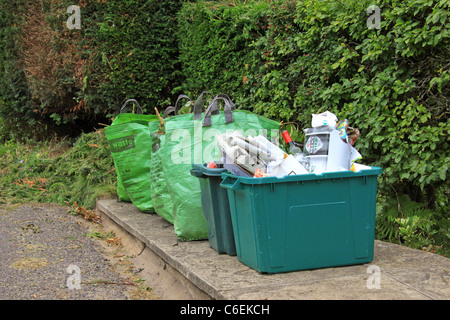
[192, 270]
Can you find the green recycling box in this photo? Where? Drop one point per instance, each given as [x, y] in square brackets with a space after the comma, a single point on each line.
[216, 208]
[302, 222]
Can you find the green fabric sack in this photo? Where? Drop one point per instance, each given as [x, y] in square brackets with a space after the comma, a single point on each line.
[130, 144]
[161, 199]
[190, 139]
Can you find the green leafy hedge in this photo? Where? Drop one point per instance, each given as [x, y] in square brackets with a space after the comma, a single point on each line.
[136, 55]
[215, 44]
[300, 58]
[304, 57]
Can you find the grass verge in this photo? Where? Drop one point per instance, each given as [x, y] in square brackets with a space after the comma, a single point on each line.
[69, 173]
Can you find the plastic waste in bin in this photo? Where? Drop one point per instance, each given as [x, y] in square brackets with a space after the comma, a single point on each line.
[304, 221]
[216, 208]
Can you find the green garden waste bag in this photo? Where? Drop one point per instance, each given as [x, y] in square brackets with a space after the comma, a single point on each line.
[130, 144]
[161, 199]
[190, 139]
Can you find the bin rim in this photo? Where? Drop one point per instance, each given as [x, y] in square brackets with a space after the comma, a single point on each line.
[203, 169]
[304, 177]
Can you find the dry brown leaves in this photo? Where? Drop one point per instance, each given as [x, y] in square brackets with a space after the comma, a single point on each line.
[39, 183]
[114, 241]
[87, 214]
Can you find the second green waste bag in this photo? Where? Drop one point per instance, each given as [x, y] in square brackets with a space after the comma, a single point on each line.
[161, 198]
[190, 141]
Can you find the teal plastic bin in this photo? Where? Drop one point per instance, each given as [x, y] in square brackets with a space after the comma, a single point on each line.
[216, 208]
[303, 222]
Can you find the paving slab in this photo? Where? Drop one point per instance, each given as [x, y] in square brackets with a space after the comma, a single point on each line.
[396, 273]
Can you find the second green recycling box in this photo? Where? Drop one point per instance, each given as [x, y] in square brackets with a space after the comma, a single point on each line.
[216, 208]
[305, 221]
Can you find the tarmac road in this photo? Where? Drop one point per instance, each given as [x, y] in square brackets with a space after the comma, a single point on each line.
[45, 254]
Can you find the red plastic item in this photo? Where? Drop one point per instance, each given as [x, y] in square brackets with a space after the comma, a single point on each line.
[212, 165]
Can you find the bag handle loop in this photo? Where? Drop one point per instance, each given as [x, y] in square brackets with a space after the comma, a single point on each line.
[175, 109]
[197, 107]
[168, 111]
[131, 100]
[232, 105]
[228, 109]
[180, 97]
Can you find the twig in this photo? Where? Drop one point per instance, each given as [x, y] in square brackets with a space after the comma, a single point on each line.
[161, 120]
[123, 282]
